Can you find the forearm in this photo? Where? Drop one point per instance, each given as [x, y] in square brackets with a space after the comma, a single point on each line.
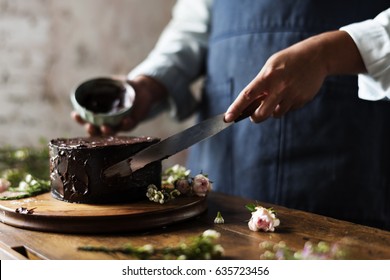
[337, 53]
[179, 55]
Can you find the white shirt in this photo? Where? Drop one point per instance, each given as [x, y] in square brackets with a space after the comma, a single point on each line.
[179, 55]
[372, 37]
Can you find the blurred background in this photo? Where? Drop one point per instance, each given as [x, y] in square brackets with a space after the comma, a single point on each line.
[47, 47]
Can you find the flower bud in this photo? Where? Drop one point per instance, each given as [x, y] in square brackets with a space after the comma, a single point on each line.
[4, 185]
[201, 185]
[183, 186]
[219, 219]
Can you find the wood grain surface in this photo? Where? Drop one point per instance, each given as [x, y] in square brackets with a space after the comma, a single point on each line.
[239, 242]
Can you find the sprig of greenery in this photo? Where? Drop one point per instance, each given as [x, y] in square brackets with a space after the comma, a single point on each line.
[27, 187]
[310, 251]
[177, 181]
[199, 248]
[27, 169]
[174, 173]
[34, 161]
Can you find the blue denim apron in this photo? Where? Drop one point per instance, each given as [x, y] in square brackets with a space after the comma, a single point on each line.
[331, 157]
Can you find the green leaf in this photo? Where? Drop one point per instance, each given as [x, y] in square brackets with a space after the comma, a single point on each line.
[17, 163]
[251, 207]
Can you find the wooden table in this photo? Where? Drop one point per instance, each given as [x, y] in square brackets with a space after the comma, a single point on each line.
[239, 242]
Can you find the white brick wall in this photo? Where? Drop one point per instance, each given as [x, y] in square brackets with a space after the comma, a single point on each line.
[24, 42]
[49, 46]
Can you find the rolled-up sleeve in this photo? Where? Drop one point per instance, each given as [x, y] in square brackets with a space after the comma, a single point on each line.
[179, 55]
[372, 37]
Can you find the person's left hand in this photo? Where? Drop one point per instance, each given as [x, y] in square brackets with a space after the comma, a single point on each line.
[148, 92]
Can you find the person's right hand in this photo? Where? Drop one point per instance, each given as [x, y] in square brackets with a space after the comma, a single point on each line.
[292, 77]
[148, 92]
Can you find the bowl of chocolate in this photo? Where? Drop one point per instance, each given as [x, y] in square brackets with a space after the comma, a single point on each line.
[77, 165]
[103, 100]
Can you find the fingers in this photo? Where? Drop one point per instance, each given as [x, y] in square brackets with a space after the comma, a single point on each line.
[91, 129]
[264, 97]
[281, 110]
[266, 109]
[107, 130]
[244, 102]
[126, 124]
[76, 117]
[266, 105]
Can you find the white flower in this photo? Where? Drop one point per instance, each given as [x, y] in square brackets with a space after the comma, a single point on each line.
[4, 185]
[219, 219]
[147, 248]
[182, 257]
[207, 256]
[201, 185]
[218, 250]
[177, 168]
[23, 186]
[28, 178]
[20, 154]
[263, 219]
[213, 234]
[171, 179]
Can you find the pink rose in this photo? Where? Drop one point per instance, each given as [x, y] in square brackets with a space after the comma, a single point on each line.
[263, 219]
[201, 185]
[4, 185]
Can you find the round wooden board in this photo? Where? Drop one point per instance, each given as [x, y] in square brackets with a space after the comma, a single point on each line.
[52, 215]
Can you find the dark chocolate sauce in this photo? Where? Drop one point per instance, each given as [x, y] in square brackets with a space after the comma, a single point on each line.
[106, 99]
[102, 96]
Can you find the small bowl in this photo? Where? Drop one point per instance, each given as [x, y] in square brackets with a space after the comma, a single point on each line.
[103, 101]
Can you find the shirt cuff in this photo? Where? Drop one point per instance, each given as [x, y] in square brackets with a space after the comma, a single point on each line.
[372, 39]
[373, 43]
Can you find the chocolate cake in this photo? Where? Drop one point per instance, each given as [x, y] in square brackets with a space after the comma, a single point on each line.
[77, 165]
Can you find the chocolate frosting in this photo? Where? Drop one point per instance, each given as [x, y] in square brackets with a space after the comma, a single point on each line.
[77, 165]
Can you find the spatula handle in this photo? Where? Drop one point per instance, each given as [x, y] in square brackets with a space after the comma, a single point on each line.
[249, 110]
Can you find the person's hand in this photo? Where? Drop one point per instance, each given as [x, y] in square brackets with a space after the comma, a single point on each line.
[288, 80]
[148, 92]
[292, 77]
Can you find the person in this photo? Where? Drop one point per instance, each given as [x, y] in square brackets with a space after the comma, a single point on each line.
[360, 48]
[328, 157]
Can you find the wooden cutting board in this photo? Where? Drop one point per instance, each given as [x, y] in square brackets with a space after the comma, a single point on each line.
[52, 215]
